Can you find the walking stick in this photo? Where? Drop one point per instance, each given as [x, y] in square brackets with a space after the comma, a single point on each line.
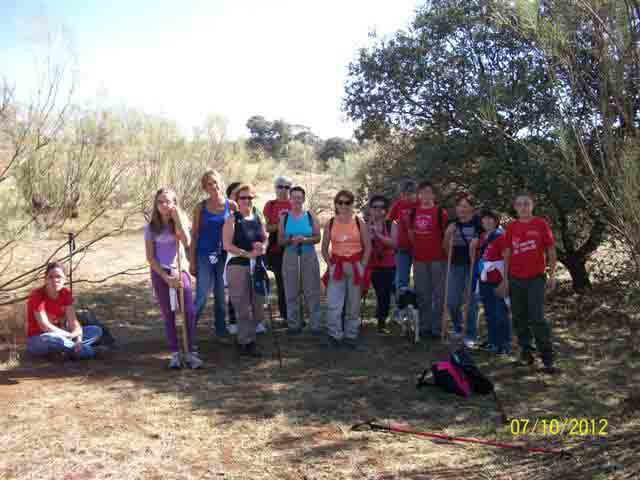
[273, 330]
[300, 286]
[469, 294]
[443, 327]
[185, 341]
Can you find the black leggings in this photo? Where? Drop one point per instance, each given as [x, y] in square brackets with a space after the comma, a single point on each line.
[382, 280]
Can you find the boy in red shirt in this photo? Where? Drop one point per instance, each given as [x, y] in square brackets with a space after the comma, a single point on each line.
[399, 214]
[527, 242]
[425, 228]
[273, 209]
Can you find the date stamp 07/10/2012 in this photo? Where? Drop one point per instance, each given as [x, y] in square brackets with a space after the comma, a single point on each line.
[559, 426]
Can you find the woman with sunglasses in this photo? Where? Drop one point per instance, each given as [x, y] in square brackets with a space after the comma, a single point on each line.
[529, 247]
[52, 326]
[273, 211]
[245, 239]
[345, 248]
[382, 263]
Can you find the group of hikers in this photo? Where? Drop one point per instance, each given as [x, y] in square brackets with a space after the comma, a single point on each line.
[228, 245]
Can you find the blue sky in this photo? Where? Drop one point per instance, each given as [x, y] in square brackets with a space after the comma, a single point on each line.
[186, 59]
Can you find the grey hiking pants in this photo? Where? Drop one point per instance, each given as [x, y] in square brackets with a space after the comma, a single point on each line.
[429, 280]
[337, 291]
[308, 263]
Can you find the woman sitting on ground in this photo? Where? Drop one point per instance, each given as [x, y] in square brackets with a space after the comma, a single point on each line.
[52, 325]
[244, 238]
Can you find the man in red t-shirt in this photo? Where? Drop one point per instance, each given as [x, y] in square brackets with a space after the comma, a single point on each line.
[425, 228]
[529, 245]
[49, 309]
[273, 210]
[399, 214]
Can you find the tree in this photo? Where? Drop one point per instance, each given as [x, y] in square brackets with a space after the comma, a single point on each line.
[476, 102]
[590, 51]
[335, 147]
[271, 137]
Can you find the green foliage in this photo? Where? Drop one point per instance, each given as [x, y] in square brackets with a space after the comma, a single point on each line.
[469, 103]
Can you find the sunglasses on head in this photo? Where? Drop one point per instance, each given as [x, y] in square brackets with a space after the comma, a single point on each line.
[283, 187]
[344, 202]
[246, 197]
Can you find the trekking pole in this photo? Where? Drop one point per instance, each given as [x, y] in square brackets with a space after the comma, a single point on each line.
[185, 341]
[276, 343]
[443, 327]
[468, 296]
[393, 429]
[300, 285]
[72, 247]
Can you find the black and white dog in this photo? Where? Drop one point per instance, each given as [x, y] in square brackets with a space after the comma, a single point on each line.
[407, 314]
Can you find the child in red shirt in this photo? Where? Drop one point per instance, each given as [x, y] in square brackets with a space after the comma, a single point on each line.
[49, 310]
[425, 228]
[529, 245]
[491, 271]
[399, 215]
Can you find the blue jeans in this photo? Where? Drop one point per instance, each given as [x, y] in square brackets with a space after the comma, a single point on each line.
[52, 342]
[403, 269]
[211, 277]
[497, 314]
[458, 282]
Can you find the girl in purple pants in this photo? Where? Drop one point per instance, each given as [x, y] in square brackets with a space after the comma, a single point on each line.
[168, 225]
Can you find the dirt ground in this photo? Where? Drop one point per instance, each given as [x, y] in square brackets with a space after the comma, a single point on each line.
[127, 417]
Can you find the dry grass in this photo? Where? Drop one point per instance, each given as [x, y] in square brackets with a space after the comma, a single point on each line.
[127, 417]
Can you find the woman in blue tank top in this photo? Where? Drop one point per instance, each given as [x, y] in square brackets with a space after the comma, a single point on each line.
[207, 256]
[299, 232]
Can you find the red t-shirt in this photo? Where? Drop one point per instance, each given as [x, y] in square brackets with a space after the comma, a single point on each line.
[528, 242]
[272, 211]
[427, 246]
[382, 256]
[39, 301]
[400, 212]
[493, 253]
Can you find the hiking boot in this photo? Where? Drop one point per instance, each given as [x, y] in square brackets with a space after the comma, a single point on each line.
[193, 360]
[250, 350]
[316, 332]
[469, 343]
[292, 332]
[527, 358]
[175, 362]
[547, 361]
[382, 330]
[550, 369]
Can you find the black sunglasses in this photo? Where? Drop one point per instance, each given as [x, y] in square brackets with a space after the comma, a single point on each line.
[246, 198]
[285, 187]
[344, 202]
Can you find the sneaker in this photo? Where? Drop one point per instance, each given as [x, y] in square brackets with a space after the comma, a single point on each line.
[260, 328]
[397, 316]
[175, 362]
[352, 344]
[383, 331]
[193, 360]
[333, 343]
[232, 329]
[488, 347]
[527, 358]
[468, 343]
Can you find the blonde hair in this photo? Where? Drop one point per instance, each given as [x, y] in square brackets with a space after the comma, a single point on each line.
[243, 187]
[210, 173]
[156, 219]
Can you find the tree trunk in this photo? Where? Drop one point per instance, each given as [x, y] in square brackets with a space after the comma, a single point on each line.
[577, 267]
